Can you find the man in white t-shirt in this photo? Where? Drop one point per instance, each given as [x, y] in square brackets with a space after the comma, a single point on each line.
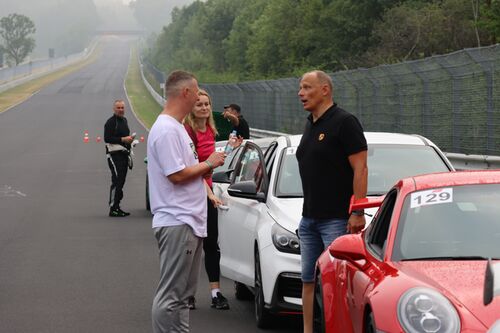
[179, 203]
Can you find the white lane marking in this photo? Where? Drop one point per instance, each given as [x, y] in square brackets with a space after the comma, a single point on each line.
[8, 191]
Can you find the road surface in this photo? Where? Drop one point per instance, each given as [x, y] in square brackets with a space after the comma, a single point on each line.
[65, 266]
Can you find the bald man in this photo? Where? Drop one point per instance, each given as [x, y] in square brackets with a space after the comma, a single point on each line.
[332, 157]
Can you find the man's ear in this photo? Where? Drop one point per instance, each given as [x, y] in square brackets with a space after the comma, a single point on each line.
[325, 89]
[185, 91]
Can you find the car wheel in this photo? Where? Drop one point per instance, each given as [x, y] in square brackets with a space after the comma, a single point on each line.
[318, 307]
[148, 205]
[241, 292]
[370, 323]
[262, 315]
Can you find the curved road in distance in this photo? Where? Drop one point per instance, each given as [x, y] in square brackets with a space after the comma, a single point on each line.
[65, 266]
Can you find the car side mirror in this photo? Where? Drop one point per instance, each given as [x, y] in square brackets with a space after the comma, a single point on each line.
[348, 247]
[222, 176]
[247, 190]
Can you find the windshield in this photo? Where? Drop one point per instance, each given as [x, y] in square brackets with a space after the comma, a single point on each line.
[386, 165]
[389, 163]
[453, 222]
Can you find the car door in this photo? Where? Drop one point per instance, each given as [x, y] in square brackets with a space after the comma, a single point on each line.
[238, 218]
[360, 280]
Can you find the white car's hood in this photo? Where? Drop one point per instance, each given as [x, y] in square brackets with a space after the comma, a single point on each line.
[287, 212]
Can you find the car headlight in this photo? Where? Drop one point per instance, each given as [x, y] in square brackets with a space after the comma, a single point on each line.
[284, 240]
[423, 310]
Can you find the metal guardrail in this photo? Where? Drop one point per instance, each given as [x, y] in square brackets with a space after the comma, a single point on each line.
[14, 76]
[473, 162]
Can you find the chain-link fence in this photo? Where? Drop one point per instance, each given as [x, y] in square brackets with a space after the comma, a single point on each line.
[452, 99]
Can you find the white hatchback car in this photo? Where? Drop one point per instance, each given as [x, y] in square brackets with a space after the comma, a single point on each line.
[262, 209]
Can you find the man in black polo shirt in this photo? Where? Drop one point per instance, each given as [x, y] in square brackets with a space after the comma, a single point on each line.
[332, 163]
[232, 112]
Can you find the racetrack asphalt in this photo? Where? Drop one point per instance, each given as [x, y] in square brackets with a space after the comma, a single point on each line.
[65, 266]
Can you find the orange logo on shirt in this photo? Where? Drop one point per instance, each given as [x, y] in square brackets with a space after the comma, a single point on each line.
[321, 137]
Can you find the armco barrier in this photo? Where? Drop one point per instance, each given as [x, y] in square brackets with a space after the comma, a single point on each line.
[14, 76]
[473, 162]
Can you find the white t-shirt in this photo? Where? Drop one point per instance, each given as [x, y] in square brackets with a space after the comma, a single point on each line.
[170, 150]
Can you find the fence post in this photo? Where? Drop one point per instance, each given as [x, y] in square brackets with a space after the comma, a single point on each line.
[376, 92]
[358, 96]
[455, 86]
[488, 69]
[426, 109]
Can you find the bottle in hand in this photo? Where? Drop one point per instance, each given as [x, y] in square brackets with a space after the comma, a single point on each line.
[231, 143]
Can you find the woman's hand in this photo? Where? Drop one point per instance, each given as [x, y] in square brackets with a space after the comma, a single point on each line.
[215, 201]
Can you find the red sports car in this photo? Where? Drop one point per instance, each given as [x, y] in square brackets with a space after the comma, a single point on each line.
[420, 265]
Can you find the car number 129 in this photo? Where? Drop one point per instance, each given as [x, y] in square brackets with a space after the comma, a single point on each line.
[431, 197]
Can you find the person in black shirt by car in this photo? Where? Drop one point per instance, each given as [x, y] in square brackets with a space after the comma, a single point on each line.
[118, 143]
[232, 112]
[332, 157]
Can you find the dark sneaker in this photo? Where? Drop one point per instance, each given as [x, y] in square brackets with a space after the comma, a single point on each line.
[122, 212]
[191, 303]
[116, 213]
[220, 302]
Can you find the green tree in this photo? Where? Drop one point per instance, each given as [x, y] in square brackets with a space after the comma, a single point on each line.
[15, 30]
[490, 20]
[418, 29]
[238, 41]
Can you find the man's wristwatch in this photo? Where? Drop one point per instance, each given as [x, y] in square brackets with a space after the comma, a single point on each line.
[360, 212]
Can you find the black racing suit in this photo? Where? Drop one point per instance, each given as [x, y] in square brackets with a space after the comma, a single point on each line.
[114, 129]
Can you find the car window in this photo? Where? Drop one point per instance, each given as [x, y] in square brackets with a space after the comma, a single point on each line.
[450, 222]
[269, 157]
[288, 182]
[250, 167]
[379, 229]
[389, 163]
[230, 161]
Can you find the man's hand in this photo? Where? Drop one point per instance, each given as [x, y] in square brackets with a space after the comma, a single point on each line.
[127, 139]
[356, 224]
[216, 159]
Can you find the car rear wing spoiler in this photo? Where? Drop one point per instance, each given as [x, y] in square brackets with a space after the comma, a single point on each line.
[357, 204]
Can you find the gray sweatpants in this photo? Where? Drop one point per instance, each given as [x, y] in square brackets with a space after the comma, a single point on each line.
[180, 259]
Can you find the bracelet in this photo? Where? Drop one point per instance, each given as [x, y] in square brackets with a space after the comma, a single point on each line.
[360, 212]
[209, 165]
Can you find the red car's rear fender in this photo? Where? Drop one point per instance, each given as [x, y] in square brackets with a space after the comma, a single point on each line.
[335, 307]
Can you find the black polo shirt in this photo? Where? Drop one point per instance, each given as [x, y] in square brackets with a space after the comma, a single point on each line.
[324, 166]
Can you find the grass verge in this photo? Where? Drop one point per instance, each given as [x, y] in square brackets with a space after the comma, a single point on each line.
[22, 92]
[144, 105]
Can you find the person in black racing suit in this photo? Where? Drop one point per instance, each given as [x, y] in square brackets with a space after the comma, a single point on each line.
[118, 143]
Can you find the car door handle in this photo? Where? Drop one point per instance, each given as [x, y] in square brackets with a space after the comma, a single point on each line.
[223, 207]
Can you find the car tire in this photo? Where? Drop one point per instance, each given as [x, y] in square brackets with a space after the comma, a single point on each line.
[262, 315]
[370, 323]
[148, 205]
[318, 306]
[241, 292]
